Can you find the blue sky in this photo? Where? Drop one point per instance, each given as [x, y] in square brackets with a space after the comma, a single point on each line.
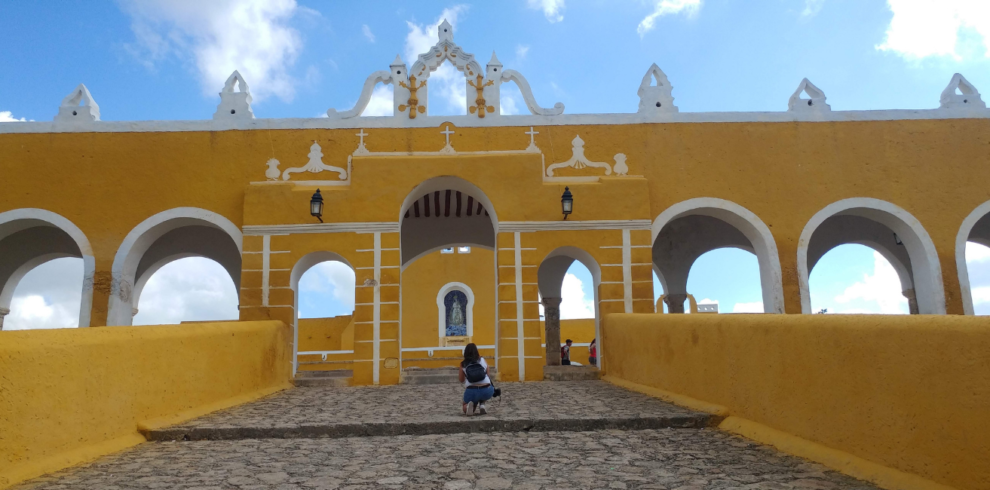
[167, 59]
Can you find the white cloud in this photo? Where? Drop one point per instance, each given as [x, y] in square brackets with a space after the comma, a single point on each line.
[380, 103]
[667, 7]
[367, 32]
[923, 28]
[882, 288]
[47, 297]
[552, 9]
[7, 116]
[754, 307]
[981, 295]
[977, 253]
[510, 100]
[445, 84]
[220, 36]
[190, 289]
[333, 278]
[521, 51]
[811, 8]
[573, 304]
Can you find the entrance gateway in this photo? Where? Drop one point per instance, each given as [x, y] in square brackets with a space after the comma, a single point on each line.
[453, 225]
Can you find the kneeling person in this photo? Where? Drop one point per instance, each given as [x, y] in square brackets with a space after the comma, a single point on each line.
[477, 385]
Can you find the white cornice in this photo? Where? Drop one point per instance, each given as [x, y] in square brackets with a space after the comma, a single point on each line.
[494, 121]
[527, 226]
[383, 227]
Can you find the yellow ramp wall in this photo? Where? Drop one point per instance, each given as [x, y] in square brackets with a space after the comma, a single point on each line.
[71, 395]
[908, 393]
[330, 333]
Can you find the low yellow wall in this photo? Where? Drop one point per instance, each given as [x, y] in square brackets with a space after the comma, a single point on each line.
[911, 393]
[322, 334]
[71, 395]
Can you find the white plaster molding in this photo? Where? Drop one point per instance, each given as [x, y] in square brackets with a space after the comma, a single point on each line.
[814, 104]
[578, 160]
[655, 98]
[967, 98]
[924, 257]
[527, 94]
[375, 78]
[234, 105]
[469, 308]
[140, 239]
[261, 230]
[620, 167]
[273, 172]
[9, 224]
[962, 268]
[530, 226]
[78, 106]
[315, 165]
[750, 225]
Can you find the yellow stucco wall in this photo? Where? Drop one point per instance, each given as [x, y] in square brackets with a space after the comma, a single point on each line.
[323, 334]
[70, 395]
[580, 330]
[908, 393]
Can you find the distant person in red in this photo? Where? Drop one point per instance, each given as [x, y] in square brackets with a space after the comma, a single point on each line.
[565, 353]
[593, 353]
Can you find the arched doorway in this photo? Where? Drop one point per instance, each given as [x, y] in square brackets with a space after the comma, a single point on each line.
[325, 336]
[164, 238]
[690, 229]
[551, 277]
[32, 237]
[973, 237]
[885, 228]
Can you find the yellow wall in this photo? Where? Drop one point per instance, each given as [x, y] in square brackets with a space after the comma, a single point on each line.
[70, 395]
[322, 334]
[581, 331]
[909, 393]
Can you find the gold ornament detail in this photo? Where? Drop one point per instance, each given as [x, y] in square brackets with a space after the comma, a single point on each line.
[413, 102]
[480, 106]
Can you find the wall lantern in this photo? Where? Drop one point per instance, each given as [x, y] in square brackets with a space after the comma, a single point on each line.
[567, 202]
[316, 205]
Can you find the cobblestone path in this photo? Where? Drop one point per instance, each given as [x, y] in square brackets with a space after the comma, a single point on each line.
[668, 458]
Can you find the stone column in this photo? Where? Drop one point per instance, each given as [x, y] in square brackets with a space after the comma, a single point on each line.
[551, 316]
[675, 302]
[912, 301]
[5, 311]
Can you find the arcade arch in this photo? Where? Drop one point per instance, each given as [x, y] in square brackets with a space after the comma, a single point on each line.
[164, 238]
[189, 288]
[303, 265]
[550, 279]
[885, 228]
[443, 212]
[689, 229]
[975, 228]
[30, 237]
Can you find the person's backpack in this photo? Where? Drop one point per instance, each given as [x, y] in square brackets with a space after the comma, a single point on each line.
[475, 372]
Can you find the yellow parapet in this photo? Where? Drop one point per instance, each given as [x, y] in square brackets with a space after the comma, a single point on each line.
[71, 395]
[898, 400]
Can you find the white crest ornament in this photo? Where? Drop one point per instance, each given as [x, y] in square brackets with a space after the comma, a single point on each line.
[234, 105]
[966, 98]
[273, 172]
[655, 98]
[78, 106]
[315, 164]
[578, 160]
[816, 102]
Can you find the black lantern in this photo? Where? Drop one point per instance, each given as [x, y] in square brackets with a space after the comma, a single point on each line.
[316, 205]
[567, 202]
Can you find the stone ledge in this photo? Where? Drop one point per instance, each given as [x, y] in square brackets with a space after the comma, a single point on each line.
[571, 373]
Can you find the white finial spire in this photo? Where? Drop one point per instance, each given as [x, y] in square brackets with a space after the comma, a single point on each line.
[815, 102]
[445, 31]
[967, 98]
[79, 105]
[398, 61]
[494, 60]
[234, 105]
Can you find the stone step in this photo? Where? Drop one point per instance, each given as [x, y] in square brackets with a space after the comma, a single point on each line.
[337, 373]
[433, 376]
[571, 373]
[336, 378]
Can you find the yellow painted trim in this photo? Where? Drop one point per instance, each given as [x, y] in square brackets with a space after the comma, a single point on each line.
[169, 420]
[85, 454]
[840, 461]
[676, 399]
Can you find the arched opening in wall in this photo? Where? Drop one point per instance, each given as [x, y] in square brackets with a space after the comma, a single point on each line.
[43, 282]
[691, 229]
[190, 289]
[726, 280]
[455, 313]
[854, 278]
[973, 261]
[568, 280]
[324, 285]
[889, 231]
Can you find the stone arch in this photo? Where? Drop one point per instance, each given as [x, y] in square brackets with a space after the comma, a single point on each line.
[550, 277]
[442, 309]
[422, 232]
[165, 237]
[302, 265]
[732, 226]
[918, 261]
[975, 228]
[35, 236]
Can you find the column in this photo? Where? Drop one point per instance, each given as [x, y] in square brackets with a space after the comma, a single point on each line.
[675, 302]
[912, 301]
[551, 316]
[6, 311]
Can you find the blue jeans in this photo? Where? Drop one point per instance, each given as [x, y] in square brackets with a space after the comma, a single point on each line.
[478, 395]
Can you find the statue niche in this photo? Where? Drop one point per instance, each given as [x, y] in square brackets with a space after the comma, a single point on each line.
[456, 305]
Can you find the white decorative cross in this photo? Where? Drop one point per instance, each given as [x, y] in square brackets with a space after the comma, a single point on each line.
[362, 134]
[447, 133]
[532, 143]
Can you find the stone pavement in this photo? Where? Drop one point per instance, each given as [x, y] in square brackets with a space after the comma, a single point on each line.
[309, 438]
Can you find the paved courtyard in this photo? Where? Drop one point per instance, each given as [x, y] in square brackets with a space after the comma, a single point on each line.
[501, 455]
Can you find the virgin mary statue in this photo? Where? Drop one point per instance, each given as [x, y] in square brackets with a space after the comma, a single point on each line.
[456, 313]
